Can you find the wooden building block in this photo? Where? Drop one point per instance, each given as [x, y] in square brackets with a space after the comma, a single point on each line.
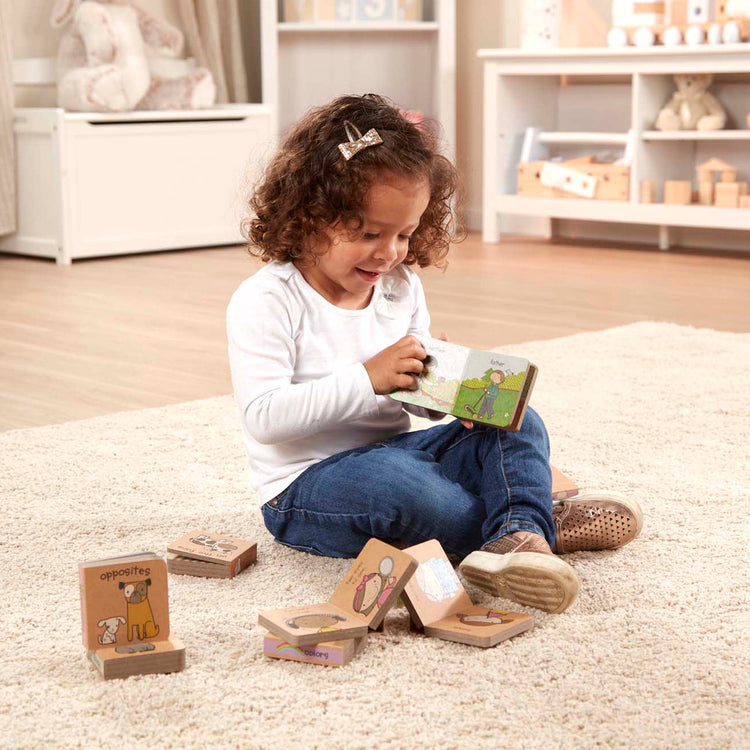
[706, 193]
[678, 192]
[727, 195]
[648, 191]
[744, 188]
[729, 175]
[748, 121]
[678, 13]
[745, 201]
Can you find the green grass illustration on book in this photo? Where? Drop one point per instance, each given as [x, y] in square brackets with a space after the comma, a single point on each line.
[485, 387]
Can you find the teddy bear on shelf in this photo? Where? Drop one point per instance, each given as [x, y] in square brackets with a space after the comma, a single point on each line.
[692, 106]
[111, 58]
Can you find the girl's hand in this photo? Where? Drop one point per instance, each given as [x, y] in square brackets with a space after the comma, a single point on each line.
[468, 424]
[396, 367]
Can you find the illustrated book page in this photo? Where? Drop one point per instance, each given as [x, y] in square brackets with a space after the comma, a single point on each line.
[438, 603]
[124, 600]
[374, 582]
[485, 387]
[434, 591]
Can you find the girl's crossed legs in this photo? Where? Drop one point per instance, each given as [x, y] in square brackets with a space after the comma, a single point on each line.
[463, 487]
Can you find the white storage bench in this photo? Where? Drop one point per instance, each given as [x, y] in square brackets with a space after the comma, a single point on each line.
[94, 184]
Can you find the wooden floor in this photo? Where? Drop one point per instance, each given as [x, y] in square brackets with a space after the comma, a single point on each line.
[148, 330]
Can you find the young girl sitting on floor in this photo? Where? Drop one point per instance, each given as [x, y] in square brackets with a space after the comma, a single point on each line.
[336, 321]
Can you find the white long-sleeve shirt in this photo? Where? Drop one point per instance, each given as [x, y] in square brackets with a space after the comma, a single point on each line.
[298, 373]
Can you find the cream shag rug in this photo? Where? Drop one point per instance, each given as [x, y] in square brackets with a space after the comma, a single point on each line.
[654, 653]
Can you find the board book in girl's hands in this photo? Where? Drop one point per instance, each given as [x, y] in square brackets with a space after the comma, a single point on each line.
[439, 604]
[482, 386]
[125, 616]
[359, 603]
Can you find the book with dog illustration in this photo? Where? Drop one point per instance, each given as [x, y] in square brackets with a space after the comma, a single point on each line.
[439, 605]
[359, 603]
[203, 553]
[125, 616]
[327, 653]
[482, 386]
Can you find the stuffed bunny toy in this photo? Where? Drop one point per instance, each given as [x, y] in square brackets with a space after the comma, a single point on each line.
[692, 107]
[109, 58]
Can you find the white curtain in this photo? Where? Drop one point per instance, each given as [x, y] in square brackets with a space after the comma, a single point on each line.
[7, 157]
[213, 37]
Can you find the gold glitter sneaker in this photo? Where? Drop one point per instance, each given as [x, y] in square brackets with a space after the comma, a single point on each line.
[522, 567]
[595, 521]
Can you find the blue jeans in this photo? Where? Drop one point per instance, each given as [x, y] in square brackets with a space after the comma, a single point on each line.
[462, 487]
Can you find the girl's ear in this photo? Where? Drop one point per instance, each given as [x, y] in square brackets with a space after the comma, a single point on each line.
[63, 12]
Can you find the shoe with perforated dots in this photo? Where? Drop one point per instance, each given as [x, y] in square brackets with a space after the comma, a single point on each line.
[595, 521]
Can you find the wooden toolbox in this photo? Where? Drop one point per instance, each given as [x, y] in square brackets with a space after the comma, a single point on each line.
[612, 182]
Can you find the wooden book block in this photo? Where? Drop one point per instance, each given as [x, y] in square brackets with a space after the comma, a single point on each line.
[678, 192]
[562, 486]
[440, 606]
[125, 616]
[358, 604]
[208, 554]
[327, 653]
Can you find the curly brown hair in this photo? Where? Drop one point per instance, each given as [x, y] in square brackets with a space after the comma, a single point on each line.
[309, 187]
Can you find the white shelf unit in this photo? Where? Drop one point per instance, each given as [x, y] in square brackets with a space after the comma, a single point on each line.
[581, 98]
[305, 65]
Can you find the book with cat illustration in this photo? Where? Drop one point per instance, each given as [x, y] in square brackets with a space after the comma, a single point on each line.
[327, 653]
[125, 616]
[439, 605]
[482, 386]
[358, 604]
[203, 553]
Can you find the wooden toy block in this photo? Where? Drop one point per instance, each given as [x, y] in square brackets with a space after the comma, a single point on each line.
[745, 201]
[707, 171]
[727, 195]
[612, 182]
[678, 192]
[729, 175]
[706, 193]
[747, 123]
[648, 191]
[678, 12]
[700, 11]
